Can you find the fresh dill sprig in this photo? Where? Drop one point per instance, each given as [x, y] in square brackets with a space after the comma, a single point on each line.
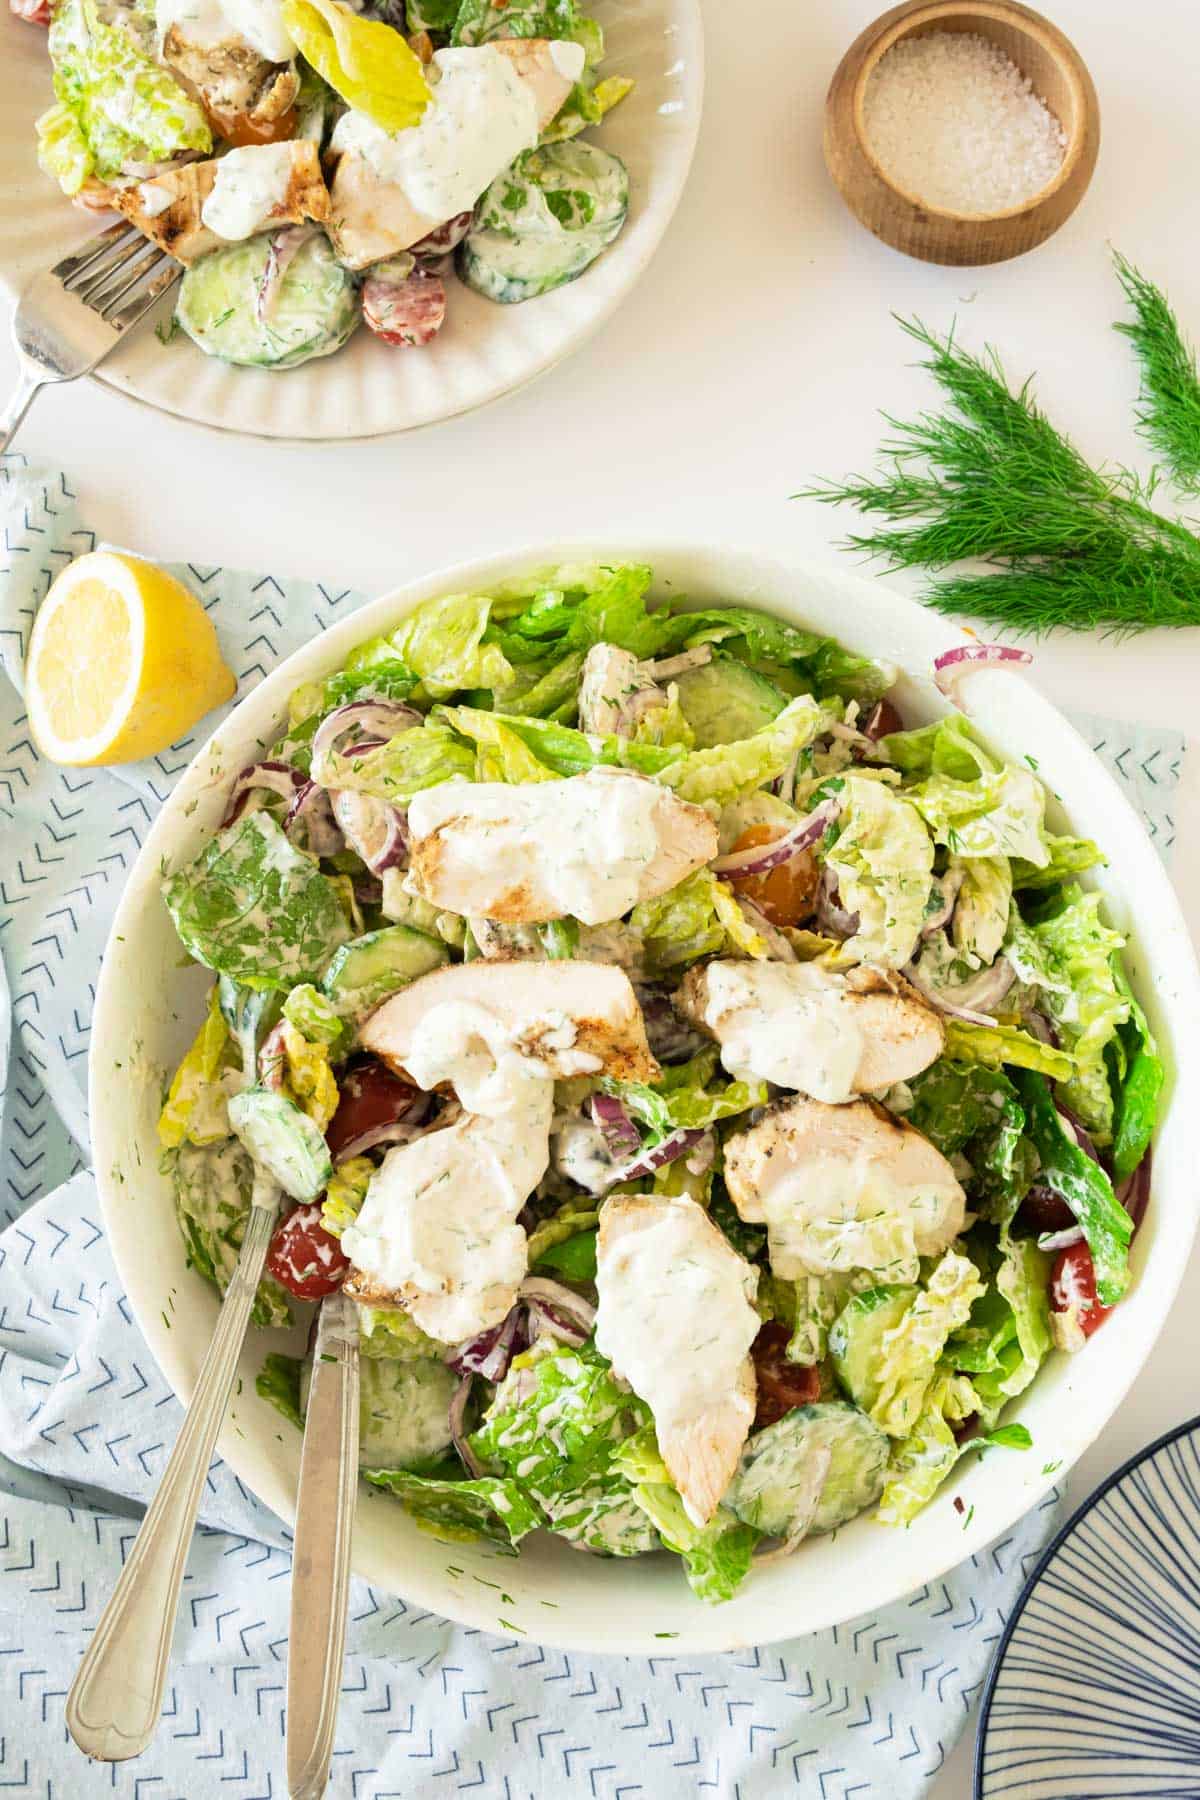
[1169, 415]
[991, 479]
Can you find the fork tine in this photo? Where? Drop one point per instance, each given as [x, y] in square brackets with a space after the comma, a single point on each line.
[133, 309]
[83, 258]
[121, 281]
[97, 289]
[108, 252]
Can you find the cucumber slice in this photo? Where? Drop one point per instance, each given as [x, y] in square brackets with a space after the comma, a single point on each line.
[283, 1140]
[770, 1481]
[544, 221]
[313, 310]
[724, 701]
[856, 1335]
[364, 973]
[250, 1013]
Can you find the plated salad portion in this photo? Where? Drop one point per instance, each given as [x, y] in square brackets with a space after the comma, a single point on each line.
[318, 164]
[717, 1097]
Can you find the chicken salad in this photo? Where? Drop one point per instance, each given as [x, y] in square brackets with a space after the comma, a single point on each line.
[718, 1098]
[321, 164]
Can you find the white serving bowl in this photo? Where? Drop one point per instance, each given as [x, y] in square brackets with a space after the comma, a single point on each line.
[369, 389]
[147, 1010]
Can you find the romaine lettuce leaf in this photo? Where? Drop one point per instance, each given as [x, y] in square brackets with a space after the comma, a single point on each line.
[981, 911]
[311, 1013]
[1007, 1337]
[997, 1045]
[213, 1185]
[278, 1383]
[421, 757]
[727, 770]
[818, 665]
[698, 917]
[559, 748]
[479, 21]
[1140, 1087]
[63, 151]
[1084, 1186]
[195, 1110]
[947, 747]
[128, 109]
[923, 1460]
[345, 1193]
[883, 861]
[255, 908]
[951, 1102]
[686, 1097]
[717, 1556]
[908, 1352]
[489, 1506]
[1086, 1000]
[1066, 856]
[1000, 814]
[443, 643]
[368, 63]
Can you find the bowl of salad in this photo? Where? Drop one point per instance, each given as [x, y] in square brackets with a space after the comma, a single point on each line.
[386, 213]
[737, 1088]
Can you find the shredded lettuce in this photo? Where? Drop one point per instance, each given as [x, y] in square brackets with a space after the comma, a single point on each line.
[1001, 814]
[727, 770]
[907, 1354]
[422, 757]
[883, 861]
[997, 1045]
[489, 1506]
[1087, 1001]
[686, 1097]
[1007, 1338]
[1084, 1186]
[981, 911]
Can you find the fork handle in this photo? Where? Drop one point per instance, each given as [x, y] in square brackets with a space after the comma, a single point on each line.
[116, 1697]
[18, 406]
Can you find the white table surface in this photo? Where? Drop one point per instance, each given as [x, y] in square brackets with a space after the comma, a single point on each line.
[753, 357]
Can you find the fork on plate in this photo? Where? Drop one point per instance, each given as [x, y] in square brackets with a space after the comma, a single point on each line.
[71, 316]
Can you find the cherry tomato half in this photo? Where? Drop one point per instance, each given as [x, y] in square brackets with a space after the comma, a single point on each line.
[787, 894]
[1073, 1285]
[782, 1385]
[304, 1258]
[370, 1096]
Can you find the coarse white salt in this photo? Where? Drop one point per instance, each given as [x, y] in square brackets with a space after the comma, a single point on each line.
[954, 122]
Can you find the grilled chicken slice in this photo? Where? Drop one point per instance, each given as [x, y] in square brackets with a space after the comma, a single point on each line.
[169, 207]
[373, 217]
[676, 1320]
[573, 1017]
[843, 1187]
[245, 94]
[615, 691]
[588, 847]
[827, 1033]
[437, 1233]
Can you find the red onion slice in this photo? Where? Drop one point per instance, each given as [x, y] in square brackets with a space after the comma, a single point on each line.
[881, 721]
[1076, 1129]
[756, 918]
[620, 1133]
[272, 1060]
[1040, 1027]
[276, 777]
[457, 1422]
[490, 1352]
[949, 885]
[371, 827]
[374, 1107]
[310, 820]
[373, 719]
[1134, 1192]
[657, 1156]
[762, 857]
[952, 665]
[539, 1290]
[832, 917]
[987, 989]
[280, 252]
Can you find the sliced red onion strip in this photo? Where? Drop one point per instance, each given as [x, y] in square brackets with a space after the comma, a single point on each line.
[272, 1060]
[881, 721]
[762, 857]
[277, 777]
[1002, 978]
[548, 1321]
[1075, 1128]
[407, 1125]
[665, 667]
[1040, 1027]
[1134, 1192]
[371, 827]
[373, 719]
[657, 1156]
[949, 883]
[490, 1353]
[620, 1133]
[952, 665]
[280, 252]
[832, 917]
[457, 1421]
[636, 707]
[310, 817]
[539, 1290]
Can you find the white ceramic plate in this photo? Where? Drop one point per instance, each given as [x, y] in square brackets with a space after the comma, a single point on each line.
[147, 1010]
[369, 389]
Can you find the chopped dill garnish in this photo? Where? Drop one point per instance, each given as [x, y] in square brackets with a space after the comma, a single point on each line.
[991, 480]
[1169, 416]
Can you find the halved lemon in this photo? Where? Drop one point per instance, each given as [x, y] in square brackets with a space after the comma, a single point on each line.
[123, 661]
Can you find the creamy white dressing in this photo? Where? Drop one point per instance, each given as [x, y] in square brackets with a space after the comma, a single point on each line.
[585, 846]
[675, 1315]
[790, 1023]
[258, 22]
[580, 1153]
[438, 1225]
[834, 1213]
[249, 190]
[153, 199]
[480, 118]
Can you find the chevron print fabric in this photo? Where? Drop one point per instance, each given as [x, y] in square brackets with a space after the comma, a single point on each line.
[86, 1421]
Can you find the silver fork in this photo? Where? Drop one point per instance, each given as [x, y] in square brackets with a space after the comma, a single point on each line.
[71, 316]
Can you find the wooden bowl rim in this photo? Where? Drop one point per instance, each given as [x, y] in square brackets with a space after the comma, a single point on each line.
[904, 21]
